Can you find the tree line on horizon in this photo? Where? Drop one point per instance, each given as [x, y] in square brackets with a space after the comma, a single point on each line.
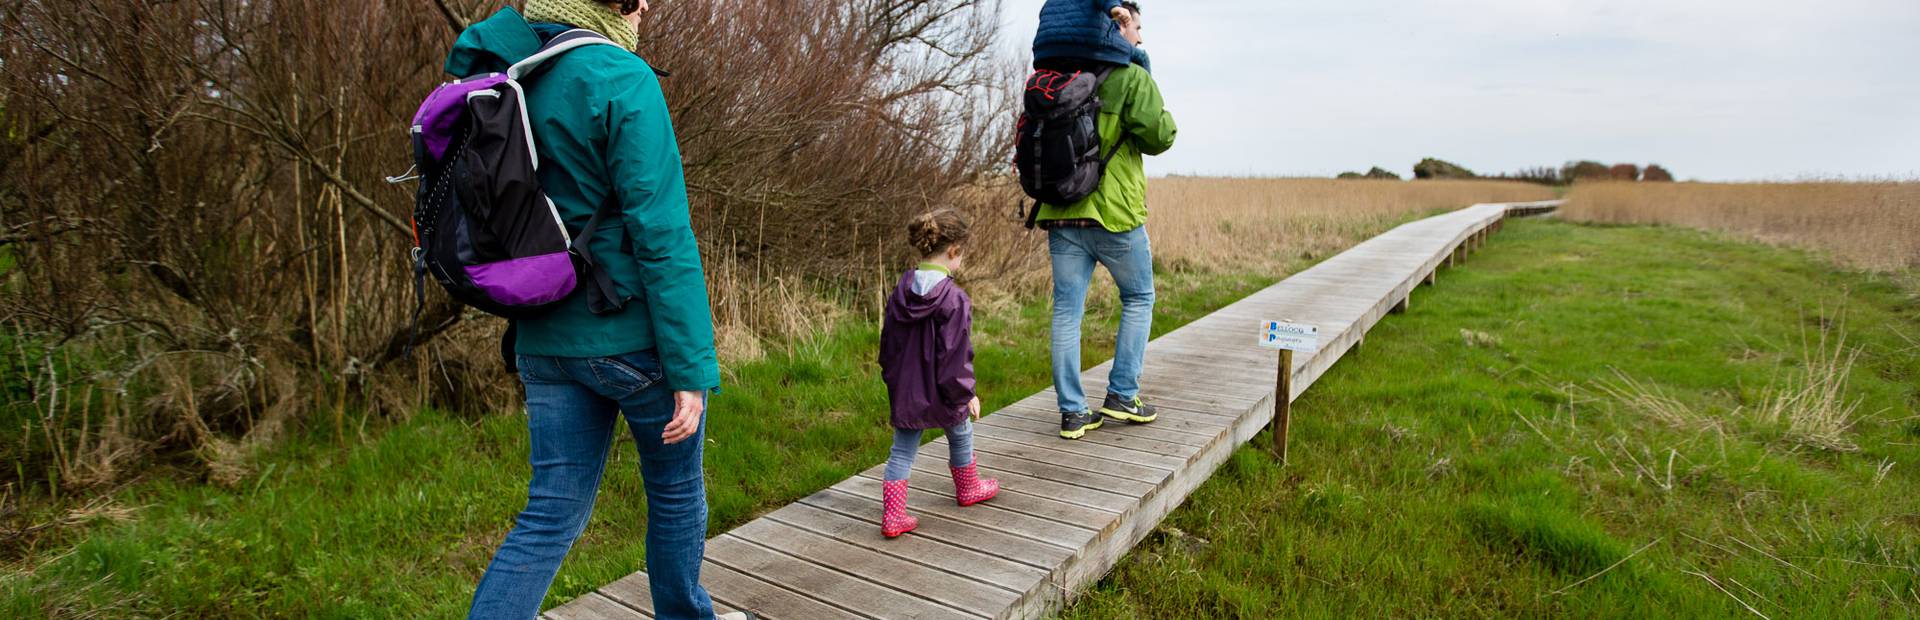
[1572, 172]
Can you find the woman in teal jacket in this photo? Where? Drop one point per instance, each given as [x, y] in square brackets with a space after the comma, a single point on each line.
[601, 124]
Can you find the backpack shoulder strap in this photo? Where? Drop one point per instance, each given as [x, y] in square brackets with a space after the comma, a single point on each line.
[602, 297]
[1100, 79]
[565, 42]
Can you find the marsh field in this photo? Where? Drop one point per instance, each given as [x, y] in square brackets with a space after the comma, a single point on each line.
[1669, 404]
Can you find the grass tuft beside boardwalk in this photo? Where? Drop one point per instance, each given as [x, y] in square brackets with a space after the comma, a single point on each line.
[1580, 421]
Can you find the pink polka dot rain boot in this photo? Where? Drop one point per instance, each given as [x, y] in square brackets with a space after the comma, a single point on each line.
[894, 519]
[969, 489]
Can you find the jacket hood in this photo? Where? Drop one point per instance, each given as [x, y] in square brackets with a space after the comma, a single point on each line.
[492, 45]
[906, 306]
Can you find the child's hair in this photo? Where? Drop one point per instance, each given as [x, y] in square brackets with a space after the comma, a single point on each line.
[933, 232]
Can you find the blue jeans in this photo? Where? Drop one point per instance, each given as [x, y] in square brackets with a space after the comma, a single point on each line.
[906, 445]
[571, 405]
[1129, 257]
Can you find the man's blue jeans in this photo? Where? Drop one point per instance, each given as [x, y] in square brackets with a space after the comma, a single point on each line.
[1129, 257]
[571, 405]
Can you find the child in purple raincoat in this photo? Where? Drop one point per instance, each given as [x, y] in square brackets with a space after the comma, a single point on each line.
[926, 358]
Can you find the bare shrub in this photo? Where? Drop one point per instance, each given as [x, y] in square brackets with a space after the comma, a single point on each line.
[197, 242]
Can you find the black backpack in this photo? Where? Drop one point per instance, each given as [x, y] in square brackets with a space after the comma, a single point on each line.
[1058, 148]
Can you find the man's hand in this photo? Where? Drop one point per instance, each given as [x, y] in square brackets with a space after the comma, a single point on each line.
[687, 409]
[973, 408]
[1122, 15]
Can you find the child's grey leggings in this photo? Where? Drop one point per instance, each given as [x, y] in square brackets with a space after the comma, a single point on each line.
[906, 444]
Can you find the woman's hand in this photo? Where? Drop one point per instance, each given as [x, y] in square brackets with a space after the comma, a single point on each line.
[687, 409]
[973, 408]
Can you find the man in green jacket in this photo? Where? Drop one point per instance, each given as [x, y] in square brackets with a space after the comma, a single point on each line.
[1109, 228]
[603, 133]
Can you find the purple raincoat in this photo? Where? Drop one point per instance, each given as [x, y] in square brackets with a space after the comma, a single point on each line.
[926, 355]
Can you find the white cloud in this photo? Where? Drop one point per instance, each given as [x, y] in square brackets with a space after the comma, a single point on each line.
[1714, 89]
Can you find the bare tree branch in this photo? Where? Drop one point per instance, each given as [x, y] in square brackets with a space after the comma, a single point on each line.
[457, 23]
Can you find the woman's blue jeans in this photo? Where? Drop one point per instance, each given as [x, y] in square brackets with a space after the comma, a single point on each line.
[1129, 257]
[571, 406]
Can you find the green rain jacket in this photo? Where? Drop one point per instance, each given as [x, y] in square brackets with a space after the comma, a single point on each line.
[1134, 110]
[601, 124]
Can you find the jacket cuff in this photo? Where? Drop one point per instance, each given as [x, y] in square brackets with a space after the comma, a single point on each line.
[698, 382]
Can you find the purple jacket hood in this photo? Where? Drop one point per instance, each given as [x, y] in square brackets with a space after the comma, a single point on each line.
[926, 355]
[907, 307]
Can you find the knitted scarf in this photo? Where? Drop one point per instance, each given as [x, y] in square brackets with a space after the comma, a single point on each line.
[588, 14]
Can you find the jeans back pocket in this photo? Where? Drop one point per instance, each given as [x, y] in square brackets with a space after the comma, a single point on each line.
[621, 376]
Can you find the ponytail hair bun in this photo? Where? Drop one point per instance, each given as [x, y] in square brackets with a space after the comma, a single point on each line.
[933, 232]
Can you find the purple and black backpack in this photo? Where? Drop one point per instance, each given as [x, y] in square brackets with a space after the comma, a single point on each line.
[482, 225]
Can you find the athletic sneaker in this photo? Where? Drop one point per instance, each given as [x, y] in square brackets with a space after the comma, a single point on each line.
[1134, 411]
[1076, 425]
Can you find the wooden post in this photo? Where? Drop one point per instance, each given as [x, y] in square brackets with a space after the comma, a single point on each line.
[1282, 405]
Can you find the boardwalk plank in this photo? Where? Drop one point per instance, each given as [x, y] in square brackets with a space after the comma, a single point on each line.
[1108, 501]
[822, 583]
[1081, 462]
[1011, 517]
[1054, 472]
[1169, 428]
[770, 600]
[951, 558]
[1052, 441]
[1021, 500]
[595, 606]
[1042, 554]
[1143, 437]
[958, 590]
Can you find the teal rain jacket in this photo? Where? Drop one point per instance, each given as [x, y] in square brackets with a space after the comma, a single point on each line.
[600, 123]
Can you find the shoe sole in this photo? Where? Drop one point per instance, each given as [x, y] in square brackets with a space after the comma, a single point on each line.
[1128, 417]
[966, 504]
[1082, 432]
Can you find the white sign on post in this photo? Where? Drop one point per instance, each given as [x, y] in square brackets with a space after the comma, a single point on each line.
[1290, 336]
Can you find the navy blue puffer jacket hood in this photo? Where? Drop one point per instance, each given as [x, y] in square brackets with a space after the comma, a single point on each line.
[1084, 29]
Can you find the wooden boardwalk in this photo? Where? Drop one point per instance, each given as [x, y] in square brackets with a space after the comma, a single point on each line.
[1067, 510]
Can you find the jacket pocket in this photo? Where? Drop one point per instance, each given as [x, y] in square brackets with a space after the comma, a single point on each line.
[621, 376]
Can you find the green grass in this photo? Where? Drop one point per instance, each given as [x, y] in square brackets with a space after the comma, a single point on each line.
[1438, 473]
[403, 524]
[1416, 489]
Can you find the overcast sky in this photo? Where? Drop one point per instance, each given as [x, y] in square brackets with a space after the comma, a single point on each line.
[1712, 89]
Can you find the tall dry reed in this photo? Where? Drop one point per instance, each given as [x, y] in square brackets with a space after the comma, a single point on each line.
[1872, 225]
